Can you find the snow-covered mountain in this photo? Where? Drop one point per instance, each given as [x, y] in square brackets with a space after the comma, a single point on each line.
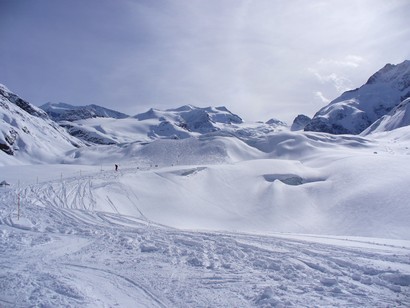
[66, 112]
[193, 119]
[398, 117]
[27, 134]
[276, 122]
[180, 123]
[355, 110]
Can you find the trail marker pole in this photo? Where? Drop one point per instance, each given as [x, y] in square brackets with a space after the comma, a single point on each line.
[18, 200]
[18, 206]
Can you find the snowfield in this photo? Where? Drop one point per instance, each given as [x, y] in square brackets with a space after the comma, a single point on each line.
[275, 219]
[62, 257]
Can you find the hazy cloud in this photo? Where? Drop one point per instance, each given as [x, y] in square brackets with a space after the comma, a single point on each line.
[348, 61]
[335, 72]
[261, 59]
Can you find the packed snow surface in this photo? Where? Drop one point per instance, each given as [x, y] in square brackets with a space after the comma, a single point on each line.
[272, 219]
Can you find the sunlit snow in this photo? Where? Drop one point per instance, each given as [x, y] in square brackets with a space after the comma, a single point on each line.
[241, 215]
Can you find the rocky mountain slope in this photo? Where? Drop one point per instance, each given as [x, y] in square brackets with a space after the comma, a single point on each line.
[26, 132]
[355, 110]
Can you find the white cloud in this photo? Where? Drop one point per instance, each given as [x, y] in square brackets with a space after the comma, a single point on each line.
[321, 97]
[334, 75]
[340, 83]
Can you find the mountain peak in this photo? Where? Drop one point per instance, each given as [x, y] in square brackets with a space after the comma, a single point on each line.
[183, 108]
[390, 72]
[191, 118]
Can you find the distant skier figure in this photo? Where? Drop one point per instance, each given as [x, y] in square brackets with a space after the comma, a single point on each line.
[116, 167]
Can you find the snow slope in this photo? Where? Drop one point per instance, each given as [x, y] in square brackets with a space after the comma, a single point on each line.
[281, 189]
[58, 256]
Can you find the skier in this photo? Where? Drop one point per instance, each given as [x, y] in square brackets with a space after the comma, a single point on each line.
[116, 167]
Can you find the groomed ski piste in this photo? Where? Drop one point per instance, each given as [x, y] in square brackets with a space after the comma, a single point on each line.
[292, 219]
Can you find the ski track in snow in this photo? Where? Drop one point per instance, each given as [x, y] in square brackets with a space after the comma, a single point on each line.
[61, 252]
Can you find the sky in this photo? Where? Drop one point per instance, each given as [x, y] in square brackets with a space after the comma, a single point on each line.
[261, 59]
